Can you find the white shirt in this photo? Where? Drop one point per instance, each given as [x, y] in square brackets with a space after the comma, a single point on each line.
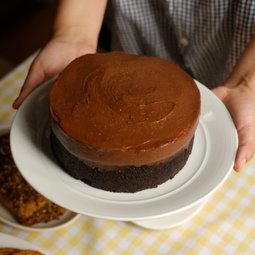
[205, 37]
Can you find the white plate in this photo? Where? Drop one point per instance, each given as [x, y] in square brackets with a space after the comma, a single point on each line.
[209, 165]
[14, 242]
[6, 217]
[65, 220]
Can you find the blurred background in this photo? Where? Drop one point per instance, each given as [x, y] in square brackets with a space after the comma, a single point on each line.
[25, 26]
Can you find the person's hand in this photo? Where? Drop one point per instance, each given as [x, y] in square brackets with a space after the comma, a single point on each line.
[240, 101]
[50, 61]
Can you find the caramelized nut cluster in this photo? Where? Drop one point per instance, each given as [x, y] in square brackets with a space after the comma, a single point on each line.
[27, 205]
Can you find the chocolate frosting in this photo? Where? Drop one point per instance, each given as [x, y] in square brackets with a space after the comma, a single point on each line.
[121, 109]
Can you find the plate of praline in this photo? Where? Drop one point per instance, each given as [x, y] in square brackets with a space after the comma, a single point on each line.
[208, 166]
[39, 220]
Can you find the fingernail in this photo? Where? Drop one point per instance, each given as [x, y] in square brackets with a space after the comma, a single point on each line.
[242, 163]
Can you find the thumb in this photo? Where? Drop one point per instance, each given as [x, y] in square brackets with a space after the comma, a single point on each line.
[36, 76]
[220, 92]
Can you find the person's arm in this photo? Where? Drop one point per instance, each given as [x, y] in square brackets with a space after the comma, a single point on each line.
[244, 71]
[76, 30]
[238, 94]
[80, 20]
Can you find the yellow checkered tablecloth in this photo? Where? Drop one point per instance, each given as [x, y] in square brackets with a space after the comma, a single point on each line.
[225, 225]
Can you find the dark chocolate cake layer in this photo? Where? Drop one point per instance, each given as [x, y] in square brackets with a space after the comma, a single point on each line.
[124, 179]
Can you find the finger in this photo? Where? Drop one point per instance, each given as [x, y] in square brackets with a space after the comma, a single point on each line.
[35, 77]
[246, 148]
[244, 154]
[220, 92]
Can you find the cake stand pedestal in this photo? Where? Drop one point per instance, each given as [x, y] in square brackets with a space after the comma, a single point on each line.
[172, 220]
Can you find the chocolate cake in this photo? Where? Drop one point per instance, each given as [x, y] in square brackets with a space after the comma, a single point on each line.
[122, 122]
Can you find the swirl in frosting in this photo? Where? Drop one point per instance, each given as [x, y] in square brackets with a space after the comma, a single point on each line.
[120, 103]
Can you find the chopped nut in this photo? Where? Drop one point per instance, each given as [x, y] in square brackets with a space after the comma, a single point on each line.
[26, 204]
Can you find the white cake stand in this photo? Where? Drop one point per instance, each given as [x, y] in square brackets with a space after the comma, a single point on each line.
[168, 205]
